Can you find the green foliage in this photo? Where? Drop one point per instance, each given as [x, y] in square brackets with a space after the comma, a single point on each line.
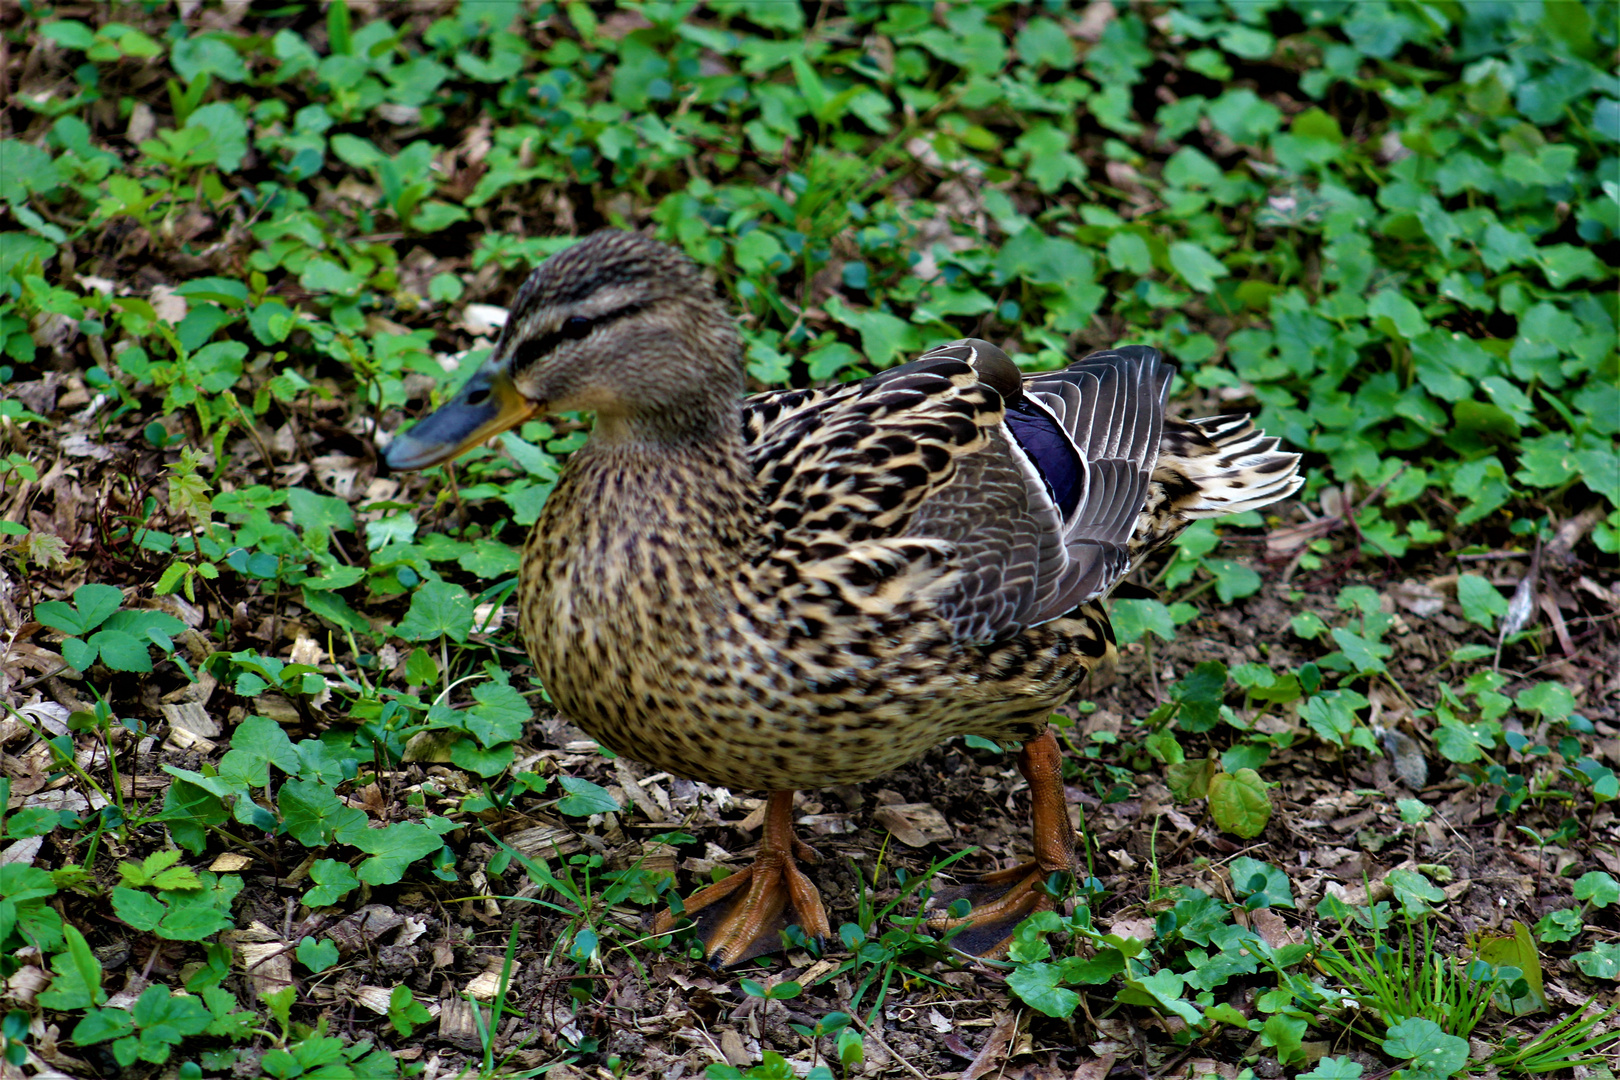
[1393, 228]
[307, 807]
[184, 913]
[1575, 1040]
[1042, 981]
[1196, 948]
[14, 1038]
[772, 1066]
[158, 1022]
[77, 981]
[486, 1026]
[1417, 288]
[404, 1011]
[1601, 961]
[588, 893]
[1134, 619]
[120, 639]
[1411, 983]
[317, 956]
[157, 871]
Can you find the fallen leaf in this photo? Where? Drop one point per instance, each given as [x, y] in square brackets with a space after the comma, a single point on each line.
[914, 824]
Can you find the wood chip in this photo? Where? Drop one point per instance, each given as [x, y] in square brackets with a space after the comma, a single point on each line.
[377, 999]
[338, 472]
[22, 851]
[25, 983]
[828, 824]
[66, 799]
[300, 872]
[1608, 596]
[487, 983]
[1097, 1068]
[181, 739]
[481, 320]
[1093, 21]
[480, 883]
[142, 786]
[306, 650]
[277, 707]
[1561, 549]
[545, 842]
[488, 618]
[457, 1024]
[736, 1051]
[635, 791]
[1418, 598]
[201, 690]
[50, 717]
[191, 718]
[364, 927]
[1274, 930]
[125, 999]
[755, 818]
[1555, 619]
[1140, 928]
[267, 965]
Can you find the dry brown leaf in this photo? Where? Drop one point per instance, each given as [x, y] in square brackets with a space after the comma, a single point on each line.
[914, 824]
[993, 1054]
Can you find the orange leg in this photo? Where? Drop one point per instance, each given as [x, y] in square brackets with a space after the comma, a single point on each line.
[750, 925]
[1005, 898]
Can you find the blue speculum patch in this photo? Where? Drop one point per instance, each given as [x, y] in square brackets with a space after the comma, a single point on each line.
[1052, 451]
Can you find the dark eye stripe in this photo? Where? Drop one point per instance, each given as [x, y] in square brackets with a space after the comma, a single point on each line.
[574, 328]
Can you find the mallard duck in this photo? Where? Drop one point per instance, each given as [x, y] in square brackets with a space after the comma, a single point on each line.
[812, 587]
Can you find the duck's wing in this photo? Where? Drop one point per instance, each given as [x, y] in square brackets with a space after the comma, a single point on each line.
[954, 484]
[1081, 445]
[856, 461]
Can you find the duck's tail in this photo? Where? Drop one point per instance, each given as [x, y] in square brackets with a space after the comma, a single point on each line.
[1207, 468]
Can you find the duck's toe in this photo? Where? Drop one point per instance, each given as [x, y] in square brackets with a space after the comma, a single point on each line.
[765, 898]
[1000, 902]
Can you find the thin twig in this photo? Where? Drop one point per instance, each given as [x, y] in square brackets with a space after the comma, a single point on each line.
[887, 1049]
[29, 684]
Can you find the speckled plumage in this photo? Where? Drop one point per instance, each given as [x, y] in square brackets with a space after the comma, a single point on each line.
[812, 587]
[817, 586]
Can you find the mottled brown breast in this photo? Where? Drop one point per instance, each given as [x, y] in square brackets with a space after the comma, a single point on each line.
[767, 632]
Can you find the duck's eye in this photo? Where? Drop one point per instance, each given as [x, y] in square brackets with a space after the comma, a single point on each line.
[576, 327]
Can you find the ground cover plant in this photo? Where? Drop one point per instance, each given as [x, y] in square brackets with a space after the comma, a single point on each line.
[279, 795]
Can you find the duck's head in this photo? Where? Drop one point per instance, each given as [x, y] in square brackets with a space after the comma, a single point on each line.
[617, 324]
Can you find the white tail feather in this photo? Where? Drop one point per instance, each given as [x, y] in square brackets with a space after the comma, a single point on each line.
[1246, 473]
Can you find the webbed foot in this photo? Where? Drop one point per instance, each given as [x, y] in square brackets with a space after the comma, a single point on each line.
[774, 893]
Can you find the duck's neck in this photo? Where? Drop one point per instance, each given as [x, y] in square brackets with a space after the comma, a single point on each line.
[688, 482]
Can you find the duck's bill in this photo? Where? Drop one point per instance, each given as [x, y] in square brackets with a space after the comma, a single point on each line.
[486, 405]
